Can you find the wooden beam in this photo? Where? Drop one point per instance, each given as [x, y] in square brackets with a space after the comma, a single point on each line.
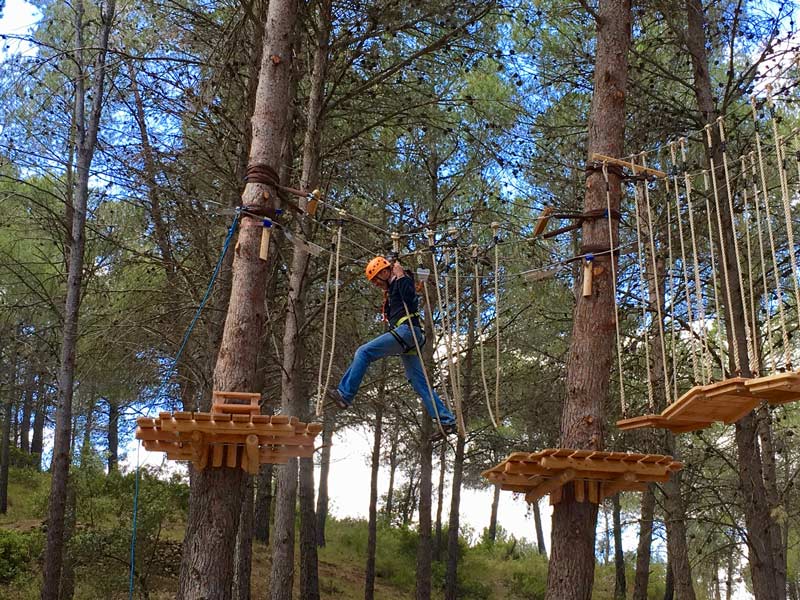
[628, 165]
[549, 485]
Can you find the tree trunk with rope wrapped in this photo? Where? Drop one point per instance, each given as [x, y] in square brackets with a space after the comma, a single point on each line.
[216, 494]
[765, 549]
[571, 572]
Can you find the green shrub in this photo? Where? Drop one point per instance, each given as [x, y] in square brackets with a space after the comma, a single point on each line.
[16, 553]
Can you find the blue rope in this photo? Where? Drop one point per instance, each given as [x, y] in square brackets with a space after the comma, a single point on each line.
[133, 533]
[165, 383]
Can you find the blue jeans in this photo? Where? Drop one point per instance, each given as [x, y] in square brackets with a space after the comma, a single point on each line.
[387, 345]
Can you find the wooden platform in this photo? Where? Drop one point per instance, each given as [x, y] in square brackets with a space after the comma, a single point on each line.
[594, 475]
[724, 401]
[776, 389]
[232, 435]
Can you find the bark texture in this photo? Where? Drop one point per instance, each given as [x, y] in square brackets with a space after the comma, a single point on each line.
[571, 572]
[216, 494]
[620, 584]
[492, 533]
[324, 469]
[263, 507]
[372, 525]
[86, 128]
[642, 576]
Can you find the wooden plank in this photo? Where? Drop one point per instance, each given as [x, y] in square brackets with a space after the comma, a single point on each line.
[234, 409]
[541, 222]
[593, 491]
[549, 485]
[596, 157]
[231, 455]
[580, 490]
[251, 452]
[216, 459]
[145, 423]
[612, 487]
[601, 466]
[249, 396]
[778, 388]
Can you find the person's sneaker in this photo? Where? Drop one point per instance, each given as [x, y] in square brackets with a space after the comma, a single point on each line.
[439, 433]
[335, 398]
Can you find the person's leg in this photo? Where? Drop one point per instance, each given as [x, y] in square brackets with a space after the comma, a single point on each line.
[383, 345]
[416, 376]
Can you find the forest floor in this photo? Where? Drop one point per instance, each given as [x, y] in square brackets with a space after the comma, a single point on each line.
[99, 549]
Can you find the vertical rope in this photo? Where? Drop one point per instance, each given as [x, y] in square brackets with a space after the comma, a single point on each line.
[133, 527]
[755, 359]
[737, 255]
[724, 253]
[698, 288]
[685, 271]
[767, 304]
[458, 382]
[320, 389]
[445, 320]
[480, 336]
[335, 305]
[659, 311]
[720, 344]
[645, 294]
[768, 218]
[787, 211]
[671, 295]
[623, 403]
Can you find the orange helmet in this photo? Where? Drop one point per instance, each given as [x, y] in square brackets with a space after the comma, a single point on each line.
[375, 266]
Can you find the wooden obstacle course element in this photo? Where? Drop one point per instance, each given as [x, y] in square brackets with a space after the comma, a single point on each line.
[602, 158]
[225, 438]
[594, 474]
[776, 389]
[724, 401]
[221, 404]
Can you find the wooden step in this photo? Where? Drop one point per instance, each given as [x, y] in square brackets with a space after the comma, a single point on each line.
[776, 389]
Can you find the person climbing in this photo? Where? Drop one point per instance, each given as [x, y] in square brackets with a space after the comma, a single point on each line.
[401, 311]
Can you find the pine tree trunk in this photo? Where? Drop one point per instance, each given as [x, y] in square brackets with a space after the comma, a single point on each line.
[37, 436]
[493, 513]
[5, 451]
[669, 583]
[324, 469]
[437, 542]
[620, 585]
[642, 577]
[424, 551]
[389, 508]
[27, 403]
[537, 523]
[571, 572]
[451, 573]
[763, 533]
[216, 494]
[424, 546]
[372, 525]
[309, 572]
[243, 559]
[678, 550]
[263, 508]
[86, 142]
[113, 436]
[453, 526]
